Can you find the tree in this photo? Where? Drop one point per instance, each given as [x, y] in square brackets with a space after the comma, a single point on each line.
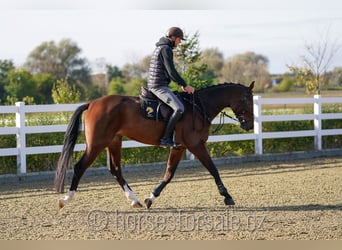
[113, 72]
[188, 62]
[136, 70]
[285, 84]
[245, 68]
[315, 62]
[303, 78]
[94, 91]
[214, 60]
[44, 83]
[61, 60]
[5, 67]
[63, 92]
[20, 86]
[116, 86]
[133, 86]
[336, 77]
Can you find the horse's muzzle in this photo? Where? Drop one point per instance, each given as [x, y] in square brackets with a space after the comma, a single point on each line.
[247, 125]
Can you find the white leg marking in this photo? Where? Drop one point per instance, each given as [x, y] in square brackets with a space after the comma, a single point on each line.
[130, 195]
[152, 197]
[69, 196]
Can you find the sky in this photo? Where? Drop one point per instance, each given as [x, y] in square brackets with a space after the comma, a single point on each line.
[124, 31]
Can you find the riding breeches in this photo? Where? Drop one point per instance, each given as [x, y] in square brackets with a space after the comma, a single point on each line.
[169, 98]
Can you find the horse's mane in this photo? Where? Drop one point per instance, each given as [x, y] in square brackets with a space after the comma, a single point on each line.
[211, 87]
[221, 85]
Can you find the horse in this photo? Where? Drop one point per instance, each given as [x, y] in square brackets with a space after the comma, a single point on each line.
[109, 118]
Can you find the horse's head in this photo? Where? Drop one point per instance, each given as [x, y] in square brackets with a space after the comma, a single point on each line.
[243, 108]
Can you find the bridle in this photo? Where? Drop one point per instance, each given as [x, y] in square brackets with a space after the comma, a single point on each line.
[244, 103]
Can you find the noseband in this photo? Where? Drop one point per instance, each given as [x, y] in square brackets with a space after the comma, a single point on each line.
[245, 104]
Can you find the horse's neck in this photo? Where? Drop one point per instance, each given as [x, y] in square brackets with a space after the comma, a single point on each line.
[217, 99]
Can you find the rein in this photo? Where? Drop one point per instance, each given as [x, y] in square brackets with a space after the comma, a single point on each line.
[201, 109]
[193, 111]
[223, 114]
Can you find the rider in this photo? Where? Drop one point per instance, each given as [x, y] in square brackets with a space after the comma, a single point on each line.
[161, 72]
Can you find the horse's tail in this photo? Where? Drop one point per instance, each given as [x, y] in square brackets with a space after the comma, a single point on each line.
[70, 138]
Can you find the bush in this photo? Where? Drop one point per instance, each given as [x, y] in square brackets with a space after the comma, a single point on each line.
[285, 85]
[221, 149]
[8, 165]
[279, 145]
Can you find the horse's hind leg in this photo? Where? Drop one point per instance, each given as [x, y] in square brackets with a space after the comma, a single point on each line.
[203, 156]
[174, 158]
[114, 150]
[80, 167]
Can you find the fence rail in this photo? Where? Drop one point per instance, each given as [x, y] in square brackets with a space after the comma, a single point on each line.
[21, 129]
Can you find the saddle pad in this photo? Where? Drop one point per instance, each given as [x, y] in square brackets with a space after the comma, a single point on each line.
[149, 108]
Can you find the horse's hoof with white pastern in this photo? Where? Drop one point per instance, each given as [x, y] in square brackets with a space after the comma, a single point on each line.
[136, 204]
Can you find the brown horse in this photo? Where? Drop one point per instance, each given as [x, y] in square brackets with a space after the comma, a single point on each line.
[110, 118]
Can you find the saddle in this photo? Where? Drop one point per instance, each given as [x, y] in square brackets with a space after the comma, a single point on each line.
[152, 108]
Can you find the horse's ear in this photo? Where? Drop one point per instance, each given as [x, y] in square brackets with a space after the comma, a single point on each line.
[251, 86]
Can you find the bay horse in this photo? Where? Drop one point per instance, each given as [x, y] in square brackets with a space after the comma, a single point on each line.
[109, 118]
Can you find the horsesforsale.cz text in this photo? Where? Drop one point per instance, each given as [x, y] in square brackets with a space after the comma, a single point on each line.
[178, 220]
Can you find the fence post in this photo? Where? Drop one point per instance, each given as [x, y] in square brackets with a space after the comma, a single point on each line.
[21, 137]
[318, 122]
[257, 125]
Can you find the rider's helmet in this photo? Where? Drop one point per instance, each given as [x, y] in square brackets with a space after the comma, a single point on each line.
[176, 32]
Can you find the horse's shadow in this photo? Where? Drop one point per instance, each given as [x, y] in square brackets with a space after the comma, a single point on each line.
[290, 208]
[305, 207]
[198, 209]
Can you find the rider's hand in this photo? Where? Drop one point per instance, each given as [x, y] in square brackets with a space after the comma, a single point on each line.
[188, 89]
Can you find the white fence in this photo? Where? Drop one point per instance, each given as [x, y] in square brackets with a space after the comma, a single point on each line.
[21, 129]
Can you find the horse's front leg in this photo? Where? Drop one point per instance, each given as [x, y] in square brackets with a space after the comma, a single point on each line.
[174, 158]
[114, 150]
[201, 152]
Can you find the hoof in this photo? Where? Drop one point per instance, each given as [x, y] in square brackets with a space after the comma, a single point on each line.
[136, 204]
[229, 201]
[148, 202]
[61, 203]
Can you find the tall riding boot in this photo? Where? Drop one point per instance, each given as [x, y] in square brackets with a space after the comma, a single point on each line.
[167, 138]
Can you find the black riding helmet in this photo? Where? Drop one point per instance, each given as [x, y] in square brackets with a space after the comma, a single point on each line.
[176, 32]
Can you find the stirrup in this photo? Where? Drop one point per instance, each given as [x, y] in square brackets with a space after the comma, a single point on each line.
[167, 143]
